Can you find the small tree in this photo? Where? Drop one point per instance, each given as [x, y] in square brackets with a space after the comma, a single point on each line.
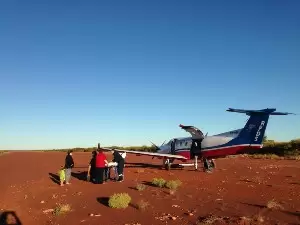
[265, 139]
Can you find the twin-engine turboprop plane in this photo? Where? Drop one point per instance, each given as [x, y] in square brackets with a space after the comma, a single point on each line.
[233, 142]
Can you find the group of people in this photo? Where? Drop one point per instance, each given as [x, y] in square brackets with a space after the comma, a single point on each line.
[99, 170]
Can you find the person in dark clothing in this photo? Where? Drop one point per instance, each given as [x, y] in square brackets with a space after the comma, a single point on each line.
[106, 173]
[120, 160]
[92, 166]
[69, 164]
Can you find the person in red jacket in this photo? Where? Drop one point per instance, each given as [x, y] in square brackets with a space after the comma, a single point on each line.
[101, 163]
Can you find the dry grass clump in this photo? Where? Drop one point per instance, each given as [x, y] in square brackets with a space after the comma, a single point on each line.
[142, 205]
[173, 184]
[140, 187]
[61, 209]
[210, 219]
[258, 218]
[159, 182]
[272, 204]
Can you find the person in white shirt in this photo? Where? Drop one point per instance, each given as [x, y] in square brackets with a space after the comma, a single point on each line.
[123, 154]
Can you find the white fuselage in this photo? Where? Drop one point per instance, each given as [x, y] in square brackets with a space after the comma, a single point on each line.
[183, 144]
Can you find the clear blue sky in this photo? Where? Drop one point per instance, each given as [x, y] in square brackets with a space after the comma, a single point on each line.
[74, 73]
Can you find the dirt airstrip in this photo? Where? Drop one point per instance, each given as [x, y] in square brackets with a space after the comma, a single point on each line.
[240, 191]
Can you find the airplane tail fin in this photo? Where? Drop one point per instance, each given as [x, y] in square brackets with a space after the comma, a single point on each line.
[254, 130]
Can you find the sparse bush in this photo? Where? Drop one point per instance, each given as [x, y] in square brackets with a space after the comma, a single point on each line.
[265, 156]
[142, 205]
[274, 205]
[120, 200]
[173, 184]
[159, 182]
[61, 209]
[140, 187]
[258, 218]
[283, 149]
[210, 219]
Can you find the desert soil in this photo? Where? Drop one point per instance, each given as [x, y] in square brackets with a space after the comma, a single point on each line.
[239, 191]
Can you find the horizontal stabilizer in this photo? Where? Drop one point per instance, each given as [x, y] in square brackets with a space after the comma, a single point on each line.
[262, 111]
[282, 113]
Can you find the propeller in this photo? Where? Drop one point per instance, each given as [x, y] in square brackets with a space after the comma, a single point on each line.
[156, 147]
[163, 143]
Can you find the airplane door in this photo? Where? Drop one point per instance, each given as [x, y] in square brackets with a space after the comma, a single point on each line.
[195, 132]
[173, 144]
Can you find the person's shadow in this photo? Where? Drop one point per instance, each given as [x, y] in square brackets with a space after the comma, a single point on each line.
[9, 218]
[103, 201]
[80, 175]
[54, 178]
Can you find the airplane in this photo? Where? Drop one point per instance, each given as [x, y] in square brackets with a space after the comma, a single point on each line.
[238, 141]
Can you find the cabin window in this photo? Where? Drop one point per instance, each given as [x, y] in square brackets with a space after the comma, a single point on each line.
[186, 143]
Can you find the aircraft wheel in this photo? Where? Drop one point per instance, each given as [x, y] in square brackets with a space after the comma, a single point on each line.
[213, 164]
[168, 166]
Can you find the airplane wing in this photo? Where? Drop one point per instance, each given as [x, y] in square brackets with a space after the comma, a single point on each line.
[154, 154]
[195, 132]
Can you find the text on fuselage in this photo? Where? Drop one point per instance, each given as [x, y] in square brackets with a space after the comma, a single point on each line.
[258, 131]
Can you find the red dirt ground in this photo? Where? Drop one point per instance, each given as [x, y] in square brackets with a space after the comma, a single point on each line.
[239, 187]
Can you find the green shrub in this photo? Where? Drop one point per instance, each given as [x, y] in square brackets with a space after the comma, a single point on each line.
[119, 201]
[173, 184]
[283, 149]
[159, 182]
[265, 156]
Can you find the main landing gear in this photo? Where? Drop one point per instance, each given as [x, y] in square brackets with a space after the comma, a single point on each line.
[167, 164]
[209, 165]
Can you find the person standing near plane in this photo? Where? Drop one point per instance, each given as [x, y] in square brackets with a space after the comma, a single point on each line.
[101, 163]
[123, 154]
[91, 170]
[120, 167]
[69, 164]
